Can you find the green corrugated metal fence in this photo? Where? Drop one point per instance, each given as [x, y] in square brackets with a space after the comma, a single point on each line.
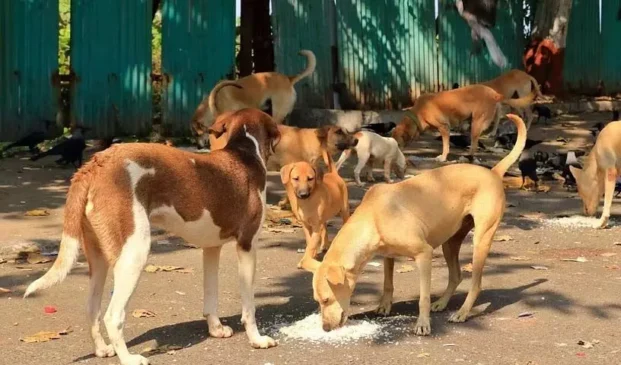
[305, 24]
[111, 57]
[198, 50]
[611, 46]
[28, 59]
[583, 52]
[458, 64]
[387, 52]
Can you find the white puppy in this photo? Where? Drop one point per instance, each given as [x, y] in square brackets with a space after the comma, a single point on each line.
[371, 147]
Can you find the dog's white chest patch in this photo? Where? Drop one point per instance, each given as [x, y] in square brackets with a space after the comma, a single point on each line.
[202, 232]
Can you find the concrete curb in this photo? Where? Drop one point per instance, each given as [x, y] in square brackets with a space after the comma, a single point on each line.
[353, 119]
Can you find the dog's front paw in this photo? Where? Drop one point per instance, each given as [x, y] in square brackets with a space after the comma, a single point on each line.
[384, 307]
[458, 317]
[135, 360]
[105, 351]
[389, 181]
[263, 342]
[423, 327]
[439, 305]
[603, 222]
[441, 158]
[221, 332]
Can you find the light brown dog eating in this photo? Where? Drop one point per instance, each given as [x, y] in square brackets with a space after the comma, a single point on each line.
[600, 172]
[450, 108]
[315, 197]
[411, 218]
[208, 200]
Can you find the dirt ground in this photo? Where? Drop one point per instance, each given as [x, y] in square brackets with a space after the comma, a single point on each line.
[523, 315]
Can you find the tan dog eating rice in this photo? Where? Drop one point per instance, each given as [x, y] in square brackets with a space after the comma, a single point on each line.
[600, 172]
[411, 218]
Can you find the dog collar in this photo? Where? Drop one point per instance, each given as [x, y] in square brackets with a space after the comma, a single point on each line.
[409, 114]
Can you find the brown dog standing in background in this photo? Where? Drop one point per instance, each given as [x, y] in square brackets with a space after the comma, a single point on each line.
[315, 197]
[252, 91]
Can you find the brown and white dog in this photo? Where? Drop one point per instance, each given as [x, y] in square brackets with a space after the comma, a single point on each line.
[516, 85]
[208, 200]
[601, 168]
[372, 147]
[411, 218]
[252, 91]
[450, 108]
[315, 197]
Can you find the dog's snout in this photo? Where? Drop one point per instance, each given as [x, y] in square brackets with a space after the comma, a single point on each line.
[303, 194]
[326, 327]
[354, 143]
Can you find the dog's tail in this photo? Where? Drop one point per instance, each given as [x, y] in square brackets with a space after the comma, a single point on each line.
[504, 164]
[516, 102]
[213, 105]
[72, 234]
[311, 63]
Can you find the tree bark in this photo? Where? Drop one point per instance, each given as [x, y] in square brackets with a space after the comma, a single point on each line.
[544, 56]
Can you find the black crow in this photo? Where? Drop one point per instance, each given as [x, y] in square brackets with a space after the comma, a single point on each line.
[383, 129]
[70, 150]
[31, 140]
[542, 112]
[461, 141]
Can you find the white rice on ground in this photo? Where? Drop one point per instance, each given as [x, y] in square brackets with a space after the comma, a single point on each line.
[575, 221]
[310, 329]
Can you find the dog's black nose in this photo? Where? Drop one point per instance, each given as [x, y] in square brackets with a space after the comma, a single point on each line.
[303, 194]
[354, 143]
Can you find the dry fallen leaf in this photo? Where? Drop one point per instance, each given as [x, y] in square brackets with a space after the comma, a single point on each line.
[608, 254]
[585, 344]
[577, 259]
[143, 313]
[424, 354]
[4, 290]
[503, 238]
[519, 258]
[539, 267]
[2, 261]
[526, 314]
[45, 336]
[405, 268]
[189, 245]
[164, 349]
[36, 258]
[467, 268]
[37, 213]
[167, 268]
[612, 267]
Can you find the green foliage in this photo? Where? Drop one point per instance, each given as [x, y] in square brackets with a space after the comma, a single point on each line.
[64, 25]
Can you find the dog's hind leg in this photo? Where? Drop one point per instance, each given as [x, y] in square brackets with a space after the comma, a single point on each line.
[609, 190]
[423, 262]
[211, 263]
[282, 105]
[484, 230]
[247, 260]
[386, 300]
[363, 157]
[451, 254]
[98, 268]
[387, 170]
[127, 272]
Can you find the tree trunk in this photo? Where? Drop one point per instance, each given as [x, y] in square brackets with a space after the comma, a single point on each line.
[545, 54]
[245, 37]
[262, 44]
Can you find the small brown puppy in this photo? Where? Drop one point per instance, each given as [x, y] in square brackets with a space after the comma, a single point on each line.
[315, 197]
[412, 218]
[600, 172]
[448, 109]
[252, 92]
[515, 84]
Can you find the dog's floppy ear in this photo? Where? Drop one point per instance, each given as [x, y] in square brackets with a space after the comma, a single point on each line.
[318, 172]
[273, 133]
[218, 128]
[335, 275]
[322, 133]
[285, 173]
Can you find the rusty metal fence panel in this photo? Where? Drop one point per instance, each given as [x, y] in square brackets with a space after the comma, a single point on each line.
[198, 50]
[111, 58]
[387, 50]
[305, 24]
[28, 61]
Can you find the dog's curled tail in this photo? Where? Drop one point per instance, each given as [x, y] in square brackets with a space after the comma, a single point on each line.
[72, 233]
[504, 164]
[213, 104]
[311, 63]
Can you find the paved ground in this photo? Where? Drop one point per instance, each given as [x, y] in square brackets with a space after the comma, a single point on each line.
[568, 303]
